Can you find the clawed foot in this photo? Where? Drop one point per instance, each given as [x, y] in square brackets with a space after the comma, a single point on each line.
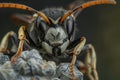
[14, 58]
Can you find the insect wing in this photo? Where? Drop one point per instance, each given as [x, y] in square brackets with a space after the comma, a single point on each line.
[22, 19]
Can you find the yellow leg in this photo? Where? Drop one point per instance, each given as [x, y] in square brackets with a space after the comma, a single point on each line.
[90, 63]
[76, 52]
[4, 42]
[89, 66]
[22, 38]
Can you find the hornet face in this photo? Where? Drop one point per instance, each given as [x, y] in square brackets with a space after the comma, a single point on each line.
[56, 36]
[55, 41]
[54, 26]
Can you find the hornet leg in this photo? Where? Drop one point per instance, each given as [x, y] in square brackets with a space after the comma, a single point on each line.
[5, 42]
[89, 65]
[22, 38]
[76, 52]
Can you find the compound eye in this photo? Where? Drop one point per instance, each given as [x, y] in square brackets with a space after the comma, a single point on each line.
[41, 24]
[69, 25]
[41, 27]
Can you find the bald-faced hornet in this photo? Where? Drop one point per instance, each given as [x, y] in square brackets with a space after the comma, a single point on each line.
[51, 31]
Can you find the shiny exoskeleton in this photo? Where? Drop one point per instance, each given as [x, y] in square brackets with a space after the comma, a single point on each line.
[51, 31]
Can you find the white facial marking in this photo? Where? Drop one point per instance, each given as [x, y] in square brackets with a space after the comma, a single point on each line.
[47, 47]
[64, 46]
[55, 35]
[55, 21]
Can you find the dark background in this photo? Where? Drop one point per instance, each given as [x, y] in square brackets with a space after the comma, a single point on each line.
[99, 24]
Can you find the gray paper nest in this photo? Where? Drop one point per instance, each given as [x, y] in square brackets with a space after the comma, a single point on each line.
[31, 66]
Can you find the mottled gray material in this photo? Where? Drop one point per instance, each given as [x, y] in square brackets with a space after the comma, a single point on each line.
[31, 63]
[63, 72]
[31, 66]
[7, 72]
[3, 58]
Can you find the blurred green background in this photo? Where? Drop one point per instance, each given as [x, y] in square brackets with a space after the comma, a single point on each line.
[99, 24]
